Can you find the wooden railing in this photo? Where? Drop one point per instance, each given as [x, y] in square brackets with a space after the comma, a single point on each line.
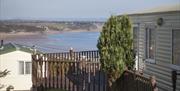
[132, 81]
[78, 71]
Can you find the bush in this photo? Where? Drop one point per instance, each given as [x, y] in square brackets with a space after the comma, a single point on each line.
[115, 47]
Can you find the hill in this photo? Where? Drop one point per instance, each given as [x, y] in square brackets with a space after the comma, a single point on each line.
[44, 26]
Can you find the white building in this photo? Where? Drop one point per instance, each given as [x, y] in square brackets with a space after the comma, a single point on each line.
[16, 59]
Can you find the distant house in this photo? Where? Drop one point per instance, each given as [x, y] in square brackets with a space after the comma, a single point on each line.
[157, 44]
[16, 59]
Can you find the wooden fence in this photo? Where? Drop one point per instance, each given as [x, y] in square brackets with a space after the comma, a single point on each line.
[78, 71]
[132, 81]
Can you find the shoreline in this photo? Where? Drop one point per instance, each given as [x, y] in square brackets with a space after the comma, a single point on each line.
[18, 35]
[46, 43]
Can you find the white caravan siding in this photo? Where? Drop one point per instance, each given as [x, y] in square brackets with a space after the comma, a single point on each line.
[162, 67]
[10, 61]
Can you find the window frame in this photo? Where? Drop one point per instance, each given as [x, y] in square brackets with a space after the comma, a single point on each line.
[30, 67]
[137, 25]
[24, 67]
[147, 44]
[173, 62]
[19, 67]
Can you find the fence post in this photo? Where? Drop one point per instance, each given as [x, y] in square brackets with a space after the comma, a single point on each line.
[83, 66]
[34, 50]
[71, 53]
[34, 72]
[153, 83]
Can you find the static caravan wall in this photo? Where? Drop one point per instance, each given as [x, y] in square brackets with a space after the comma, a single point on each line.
[162, 67]
[10, 61]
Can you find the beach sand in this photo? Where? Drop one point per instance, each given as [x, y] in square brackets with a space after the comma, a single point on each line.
[20, 35]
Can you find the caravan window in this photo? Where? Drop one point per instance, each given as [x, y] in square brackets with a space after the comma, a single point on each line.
[24, 67]
[28, 67]
[176, 46]
[135, 38]
[136, 44]
[21, 67]
[150, 43]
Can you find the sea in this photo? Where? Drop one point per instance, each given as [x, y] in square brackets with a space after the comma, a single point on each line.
[61, 42]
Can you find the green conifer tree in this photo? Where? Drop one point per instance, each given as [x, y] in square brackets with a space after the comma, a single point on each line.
[115, 47]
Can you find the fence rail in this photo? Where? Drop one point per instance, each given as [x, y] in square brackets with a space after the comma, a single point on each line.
[132, 81]
[78, 71]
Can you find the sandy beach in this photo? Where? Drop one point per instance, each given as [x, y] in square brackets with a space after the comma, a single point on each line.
[20, 35]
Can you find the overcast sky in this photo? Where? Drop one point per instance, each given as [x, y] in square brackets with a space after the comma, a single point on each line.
[54, 9]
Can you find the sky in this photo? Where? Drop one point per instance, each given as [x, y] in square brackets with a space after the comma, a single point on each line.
[57, 9]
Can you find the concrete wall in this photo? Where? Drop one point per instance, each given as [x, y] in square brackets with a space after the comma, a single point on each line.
[10, 61]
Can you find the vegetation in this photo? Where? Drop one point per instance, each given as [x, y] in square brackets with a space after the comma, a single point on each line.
[3, 74]
[115, 47]
[19, 28]
[15, 27]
